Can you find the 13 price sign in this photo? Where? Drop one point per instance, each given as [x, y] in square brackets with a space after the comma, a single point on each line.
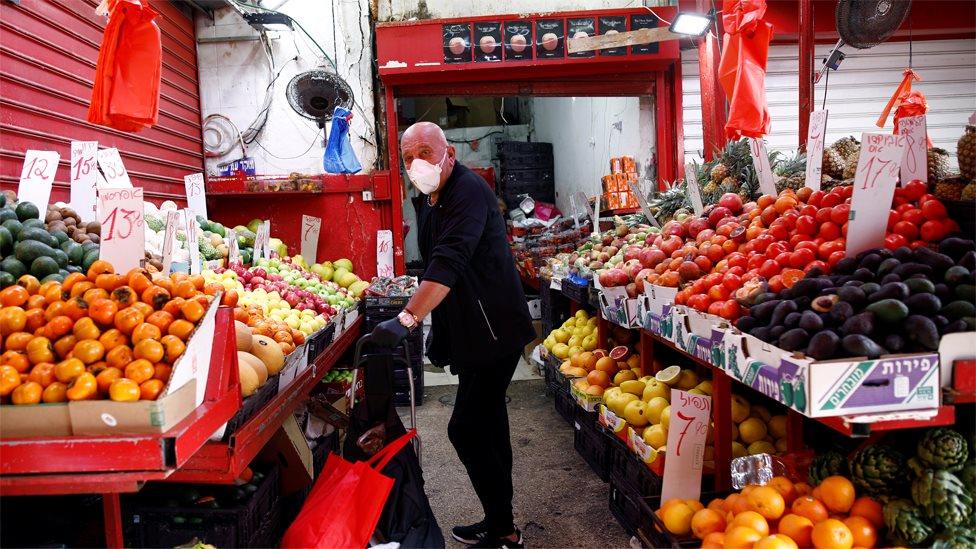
[123, 237]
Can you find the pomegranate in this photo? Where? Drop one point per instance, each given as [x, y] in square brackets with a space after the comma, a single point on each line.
[696, 226]
[673, 228]
[731, 201]
[717, 214]
[650, 257]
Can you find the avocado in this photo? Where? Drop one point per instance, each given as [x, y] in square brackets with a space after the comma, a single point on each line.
[955, 326]
[823, 345]
[56, 277]
[863, 274]
[776, 331]
[840, 312]
[43, 266]
[33, 224]
[887, 266]
[957, 275]
[956, 247]
[764, 297]
[792, 320]
[764, 310]
[90, 257]
[852, 294]
[61, 258]
[746, 323]
[890, 277]
[75, 252]
[3, 200]
[943, 292]
[6, 241]
[903, 254]
[792, 340]
[809, 286]
[907, 270]
[923, 304]
[958, 309]
[966, 292]
[870, 287]
[889, 310]
[761, 333]
[14, 227]
[61, 236]
[40, 235]
[871, 262]
[894, 343]
[969, 260]
[811, 322]
[782, 309]
[922, 330]
[29, 250]
[7, 214]
[940, 321]
[860, 345]
[891, 290]
[920, 286]
[73, 269]
[845, 266]
[938, 262]
[13, 266]
[26, 210]
[824, 303]
[6, 279]
[89, 246]
[861, 323]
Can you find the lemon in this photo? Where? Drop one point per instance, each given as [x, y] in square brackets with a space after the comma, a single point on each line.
[666, 417]
[655, 436]
[761, 447]
[705, 387]
[669, 375]
[738, 450]
[777, 426]
[740, 409]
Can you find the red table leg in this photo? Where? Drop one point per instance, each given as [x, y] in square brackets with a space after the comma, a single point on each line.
[112, 509]
[722, 414]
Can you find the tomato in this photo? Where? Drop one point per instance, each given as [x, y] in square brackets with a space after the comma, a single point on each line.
[906, 229]
[769, 268]
[698, 301]
[808, 245]
[816, 265]
[914, 189]
[925, 198]
[718, 293]
[776, 284]
[934, 209]
[732, 281]
[913, 216]
[808, 210]
[737, 259]
[918, 244]
[714, 307]
[829, 247]
[823, 215]
[894, 241]
[762, 242]
[840, 214]
[775, 249]
[780, 232]
[800, 258]
[893, 217]
[806, 224]
[831, 199]
[796, 239]
[755, 261]
[932, 231]
[829, 231]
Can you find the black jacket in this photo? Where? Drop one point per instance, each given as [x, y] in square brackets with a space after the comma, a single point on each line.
[463, 243]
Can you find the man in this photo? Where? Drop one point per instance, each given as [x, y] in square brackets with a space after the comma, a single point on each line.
[480, 320]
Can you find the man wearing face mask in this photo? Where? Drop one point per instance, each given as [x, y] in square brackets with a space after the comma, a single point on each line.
[480, 320]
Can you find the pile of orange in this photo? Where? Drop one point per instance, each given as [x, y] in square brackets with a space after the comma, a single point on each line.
[97, 335]
[780, 515]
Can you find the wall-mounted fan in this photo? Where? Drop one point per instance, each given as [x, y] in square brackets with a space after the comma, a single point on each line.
[316, 93]
[863, 24]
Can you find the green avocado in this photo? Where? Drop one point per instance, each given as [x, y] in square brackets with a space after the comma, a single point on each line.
[13, 266]
[26, 210]
[43, 266]
[29, 250]
[889, 310]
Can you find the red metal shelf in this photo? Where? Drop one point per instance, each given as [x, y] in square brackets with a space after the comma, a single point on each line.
[945, 416]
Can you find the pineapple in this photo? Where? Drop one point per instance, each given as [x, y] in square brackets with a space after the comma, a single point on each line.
[670, 201]
[729, 185]
[950, 189]
[966, 153]
[795, 182]
[833, 163]
[847, 146]
[969, 193]
[850, 167]
[719, 172]
[938, 164]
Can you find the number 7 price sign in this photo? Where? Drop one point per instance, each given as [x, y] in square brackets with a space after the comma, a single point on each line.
[37, 177]
[123, 239]
[690, 415]
[310, 237]
[874, 188]
[914, 163]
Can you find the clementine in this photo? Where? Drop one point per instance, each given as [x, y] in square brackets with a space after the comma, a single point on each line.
[832, 534]
[741, 537]
[864, 533]
[752, 520]
[766, 501]
[837, 493]
[677, 518]
[867, 507]
[775, 541]
[715, 540]
[811, 508]
[798, 528]
[706, 522]
[785, 487]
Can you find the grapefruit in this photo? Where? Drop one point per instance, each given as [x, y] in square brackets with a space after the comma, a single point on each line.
[619, 353]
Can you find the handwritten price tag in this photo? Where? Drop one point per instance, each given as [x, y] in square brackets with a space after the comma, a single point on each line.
[690, 415]
[643, 204]
[196, 197]
[760, 159]
[123, 239]
[233, 250]
[37, 177]
[310, 237]
[914, 163]
[192, 244]
[874, 188]
[815, 147]
[111, 164]
[262, 241]
[384, 253]
[172, 224]
[83, 178]
[595, 215]
[694, 193]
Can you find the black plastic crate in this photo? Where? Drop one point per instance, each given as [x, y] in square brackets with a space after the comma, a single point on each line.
[579, 293]
[250, 406]
[319, 341]
[629, 472]
[625, 507]
[250, 524]
[592, 445]
[382, 302]
[554, 306]
[593, 297]
[523, 147]
[526, 159]
[555, 381]
[651, 530]
[566, 406]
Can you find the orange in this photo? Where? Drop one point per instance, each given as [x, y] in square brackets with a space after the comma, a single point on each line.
[798, 528]
[715, 540]
[741, 503]
[811, 508]
[694, 504]
[741, 537]
[718, 505]
[864, 533]
[753, 520]
[677, 518]
[766, 501]
[868, 508]
[784, 203]
[837, 493]
[775, 541]
[832, 534]
[707, 521]
[785, 487]
[802, 488]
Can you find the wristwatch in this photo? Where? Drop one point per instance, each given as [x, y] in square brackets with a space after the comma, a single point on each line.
[408, 320]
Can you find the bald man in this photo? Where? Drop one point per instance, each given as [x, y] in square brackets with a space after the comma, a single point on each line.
[480, 320]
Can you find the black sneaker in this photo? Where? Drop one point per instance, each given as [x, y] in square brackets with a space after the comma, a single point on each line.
[501, 543]
[470, 534]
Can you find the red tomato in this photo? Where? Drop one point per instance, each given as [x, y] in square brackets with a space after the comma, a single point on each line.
[762, 242]
[934, 209]
[780, 232]
[783, 259]
[750, 274]
[732, 282]
[843, 230]
[713, 279]
[913, 216]
[815, 198]
[797, 239]
[914, 189]
[800, 258]
[904, 208]
[845, 192]
[776, 283]
[809, 209]
[775, 249]
[816, 265]
[840, 214]
[950, 226]
[807, 245]
[806, 224]
[823, 215]
[769, 269]
[831, 199]
[735, 271]
[730, 310]
[925, 198]
[894, 241]
[932, 231]
[918, 244]
[715, 308]
[755, 261]
[906, 229]
[829, 231]
[835, 257]
[899, 201]
[737, 259]
[829, 247]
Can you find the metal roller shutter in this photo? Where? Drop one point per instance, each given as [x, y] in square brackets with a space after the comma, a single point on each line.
[48, 52]
[857, 92]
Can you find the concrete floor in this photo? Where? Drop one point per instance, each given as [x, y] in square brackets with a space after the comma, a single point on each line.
[559, 501]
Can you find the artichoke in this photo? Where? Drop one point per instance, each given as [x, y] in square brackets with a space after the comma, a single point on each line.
[826, 465]
[968, 476]
[905, 523]
[942, 498]
[957, 537]
[943, 448]
[878, 469]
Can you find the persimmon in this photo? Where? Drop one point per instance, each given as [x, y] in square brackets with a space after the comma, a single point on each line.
[96, 367]
[173, 307]
[198, 281]
[93, 294]
[53, 309]
[741, 537]
[241, 314]
[184, 289]
[68, 369]
[55, 392]
[9, 379]
[165, 284]
[29, 283]
[146, 331]
[126, 320]
[150, 389]
[12, 319]
[213, 288]
[766, 501]
[89, 351]
[138, 280]
[75, 308]
[80, 288]
[13, 296]
[70, 280]
[85, 328]
[203, 299]
[36, 301]
[40, 350]
[139, 370]
[64, 345]
[51, 291]
[160, 319]
[99, 267]
[15, 359]
[83, 387]
[113, 338]
[230, 298]
[35, 319]
[162, 371]
[59, 326]
[124, 390]
[155, 297]
[105, 378]
[173, 347]
[119, 357]
[181, 329]
[143, 308]
[18, 341]
[148, 349]
[124, 296]
[42, 373]
[27, 393]
[108, 281]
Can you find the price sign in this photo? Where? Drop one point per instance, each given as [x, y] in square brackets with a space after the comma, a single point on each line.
[874, 188]
[262, 241]
[172, 224]
[815, 147]
[595, 215]
[111, 164]
[83, 178]
[690, 415]
[233, 250]
[37, 177]
[196, 197]
[310, 237]
[643, 204]
[694, 193]
[192, 244]
[384, 253]
[123, 239]
[760, 160]
[914, 162]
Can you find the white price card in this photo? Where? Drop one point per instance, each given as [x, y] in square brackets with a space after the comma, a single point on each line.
[169, 236]
[112, 167]
[37, 178]
[83, 178]
[233, 250]
[688, 429]
[311, 226]
[196, 197]
[760, 160]
[816, 132]
[874, 188]
[123, 238]
[192, 244]
[694, 193]
[262, 241]
[596, 215]
[914, 162]
[384, 253]
[643, 204]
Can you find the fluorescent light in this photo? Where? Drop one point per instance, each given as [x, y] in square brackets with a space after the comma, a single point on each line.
[691, 24]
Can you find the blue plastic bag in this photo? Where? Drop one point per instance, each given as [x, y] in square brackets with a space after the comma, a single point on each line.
[339, 156]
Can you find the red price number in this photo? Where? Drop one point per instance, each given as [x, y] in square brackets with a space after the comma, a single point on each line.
[113, 169]
[82, 166]
[875, 168]
[121, 222]
[689, 422]
[38, 169]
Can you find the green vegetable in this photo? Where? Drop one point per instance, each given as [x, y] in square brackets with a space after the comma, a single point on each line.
[13, 266]
[826, 465]
[26, 210]
[906, 523]
[878, 469]
[943, 448]
[942, 498]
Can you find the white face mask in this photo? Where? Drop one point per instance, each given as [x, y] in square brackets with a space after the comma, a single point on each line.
[424, 175]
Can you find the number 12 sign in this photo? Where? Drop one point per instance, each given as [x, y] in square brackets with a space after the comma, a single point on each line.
[690, 415]
[123, 239]
[37, 177]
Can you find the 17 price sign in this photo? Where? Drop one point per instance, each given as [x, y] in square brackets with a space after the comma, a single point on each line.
[874, 188]
[690, 415]
[123, 239]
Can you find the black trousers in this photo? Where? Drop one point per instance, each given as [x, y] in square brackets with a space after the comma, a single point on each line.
[479, 432]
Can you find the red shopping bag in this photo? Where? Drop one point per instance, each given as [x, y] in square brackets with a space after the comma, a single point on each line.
[346, 502]
[742, 69]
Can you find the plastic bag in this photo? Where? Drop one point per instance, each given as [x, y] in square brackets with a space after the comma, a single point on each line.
[742, 70]
[339, 156]
[125, 93]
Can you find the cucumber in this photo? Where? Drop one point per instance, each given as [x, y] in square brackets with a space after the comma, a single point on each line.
[60, 258]
[6, 241]
[43, 266]
[13, 266]
[6, 279]
[40, 235]
[90, 257]
[29, 250]
[61, 236]
[13, 226]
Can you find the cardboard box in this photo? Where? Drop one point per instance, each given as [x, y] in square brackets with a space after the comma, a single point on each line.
[40, 420]
[700, 334]
[612, 422]
[618, 308]
[657, 306]
[535, 343]
[653, 459]
[106, 417]
[289, 449]
[585, 401]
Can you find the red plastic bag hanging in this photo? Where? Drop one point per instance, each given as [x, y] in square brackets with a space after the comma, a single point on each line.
[346, 502]
[125, 94]
[909, 102]
[742, 70]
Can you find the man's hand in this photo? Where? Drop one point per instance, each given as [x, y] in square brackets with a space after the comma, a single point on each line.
[388, 333]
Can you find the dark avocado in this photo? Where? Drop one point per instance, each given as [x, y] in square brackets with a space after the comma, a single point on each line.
[852, 294]
[860, 345]
[824, 303]
[922, 330]
[864, 274]
[811, 322]
[956, 247]
[943, 292]
[823, 345]
[870, 287]
[966, 292]
[903, 254]
[746, 323]
[957, 274]
[776, 331]
[890, 290]
[887, 266]
[792, 340]
[840, 312]
[894, 343]
[861, 323]
[761, 333]
[969, 260]
[792, 320]
[845, 266]
[920, 286]
[890, 277]
[955, 326]
[958, 309]
[870, 262]
[923, 304]
[906, 270]
[782, 309]
[764, 310]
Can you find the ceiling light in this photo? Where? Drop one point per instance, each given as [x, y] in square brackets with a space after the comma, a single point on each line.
[691, 24]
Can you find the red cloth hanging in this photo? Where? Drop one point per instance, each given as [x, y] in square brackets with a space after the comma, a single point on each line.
[742, 70]
[906, 102]
[125, 94]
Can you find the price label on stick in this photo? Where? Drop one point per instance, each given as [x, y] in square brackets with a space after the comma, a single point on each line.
[595, 215]
[123, 239]
[111, 164]
[196, 197]
[760, 160]
[192, 244]
[83, 178]
[37, 178]
[914, 162]
[310, 237]
[233, 250]
[874, 188]
[262, 241]
[643, 204]
[172, 224]
[694, 193]
[690, 415]
[815, 147]
[384, 253]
